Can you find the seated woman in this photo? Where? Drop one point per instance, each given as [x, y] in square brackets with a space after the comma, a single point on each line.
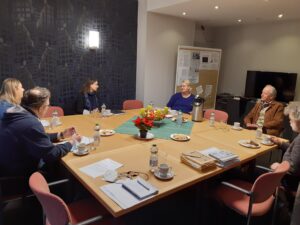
[11, 94]
[182, 100]
[292, 150]
[87, 99]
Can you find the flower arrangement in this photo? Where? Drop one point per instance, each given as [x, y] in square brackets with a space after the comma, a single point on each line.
[143, 124]
[154, 114]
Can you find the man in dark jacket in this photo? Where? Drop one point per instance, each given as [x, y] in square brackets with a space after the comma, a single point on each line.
[25, 147]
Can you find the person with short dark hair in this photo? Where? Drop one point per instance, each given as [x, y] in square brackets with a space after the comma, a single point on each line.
[11, 93]
[87, 99]
[267, 113]
[25, 147]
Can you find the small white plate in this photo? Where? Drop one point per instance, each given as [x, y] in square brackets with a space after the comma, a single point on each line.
[180, 137]
[246, 143]
[236, 128]
[169, 176]
[81, 153]
[108, 114]
[107, 132]
[169, 116]
[269, 143]
[148, 137]
[45, 123]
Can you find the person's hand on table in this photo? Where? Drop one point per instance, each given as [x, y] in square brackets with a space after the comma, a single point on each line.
[75, 139]
[68, 132]
[276, 140]
[251, 125]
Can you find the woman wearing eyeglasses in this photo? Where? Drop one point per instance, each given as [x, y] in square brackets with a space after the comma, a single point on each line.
[183, 100]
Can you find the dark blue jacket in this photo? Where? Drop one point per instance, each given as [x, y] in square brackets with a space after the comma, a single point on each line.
[24, 143]
[177, 102]
[87, 101]
[4, 105]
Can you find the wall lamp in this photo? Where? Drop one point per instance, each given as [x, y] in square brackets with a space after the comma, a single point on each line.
[93, 39]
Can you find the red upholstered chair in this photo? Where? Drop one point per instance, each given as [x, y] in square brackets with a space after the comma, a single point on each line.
[51, 109]
[255, 199]
[132, 104]
[220, 116]
[57, 212]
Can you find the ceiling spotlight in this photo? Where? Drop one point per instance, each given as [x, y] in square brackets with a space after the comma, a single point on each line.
[216, 7]
[280, 16]
[239, 20]
[184, 13]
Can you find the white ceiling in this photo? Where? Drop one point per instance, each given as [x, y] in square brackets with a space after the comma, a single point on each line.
[249, 11]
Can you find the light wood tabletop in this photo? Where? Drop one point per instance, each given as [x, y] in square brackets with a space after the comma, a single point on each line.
[134, 154]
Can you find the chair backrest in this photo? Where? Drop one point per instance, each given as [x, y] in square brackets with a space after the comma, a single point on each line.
[266, 184]
[132, 104]
[56, 210]
[219, 115]
[51, 109]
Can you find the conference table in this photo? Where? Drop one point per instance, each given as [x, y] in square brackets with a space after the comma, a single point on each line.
[134, 155]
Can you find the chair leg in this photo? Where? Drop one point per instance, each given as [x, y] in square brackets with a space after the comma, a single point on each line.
[275, 207]
[249, 209]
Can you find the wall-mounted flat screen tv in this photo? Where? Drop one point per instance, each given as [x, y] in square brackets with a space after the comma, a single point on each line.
[285, 84]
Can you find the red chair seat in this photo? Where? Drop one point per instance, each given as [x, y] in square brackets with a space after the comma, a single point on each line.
[239, 202]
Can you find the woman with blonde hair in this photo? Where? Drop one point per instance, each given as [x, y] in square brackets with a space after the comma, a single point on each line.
[11, 94]
[182, 100]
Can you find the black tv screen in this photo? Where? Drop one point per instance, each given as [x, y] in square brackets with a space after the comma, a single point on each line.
[285, 84]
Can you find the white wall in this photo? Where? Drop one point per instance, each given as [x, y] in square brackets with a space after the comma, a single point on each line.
[163, 35]
[269, 47]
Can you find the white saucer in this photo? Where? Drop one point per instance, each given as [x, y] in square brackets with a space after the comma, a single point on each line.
[75, 152]
[246, 144]
[108, 114]
[169, 116]
[236, 128]
[169, 176]
[269, 143]
[107, 132]
[180, 137]
[148, 137]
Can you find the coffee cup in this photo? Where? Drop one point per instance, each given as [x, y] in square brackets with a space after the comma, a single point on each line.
[236, 125]
[81, 148]
[164, 169]
[266, 139]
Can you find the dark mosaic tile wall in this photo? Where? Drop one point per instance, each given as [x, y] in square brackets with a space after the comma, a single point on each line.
[43, 42]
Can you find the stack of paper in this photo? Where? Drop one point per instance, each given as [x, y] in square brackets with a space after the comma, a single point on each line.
[198, 161]
[127, 193]
[224, 158]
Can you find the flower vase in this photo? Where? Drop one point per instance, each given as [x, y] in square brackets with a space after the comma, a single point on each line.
[143, 133]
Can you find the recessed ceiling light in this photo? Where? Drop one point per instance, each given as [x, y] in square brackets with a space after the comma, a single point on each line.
[280, 16]
[239, 20]
[216, 7]
[184, 13]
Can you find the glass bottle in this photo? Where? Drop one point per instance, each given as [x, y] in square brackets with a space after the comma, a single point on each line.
[96, 135]
[153, 163]
[103, 109]
[259, 132]
[54, 120]
[179, 118]
[212, 119]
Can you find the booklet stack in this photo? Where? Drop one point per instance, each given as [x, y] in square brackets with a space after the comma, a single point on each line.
[198, 161]
[224, 158]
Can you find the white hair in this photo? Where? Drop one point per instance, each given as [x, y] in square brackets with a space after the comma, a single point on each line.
[293, 110]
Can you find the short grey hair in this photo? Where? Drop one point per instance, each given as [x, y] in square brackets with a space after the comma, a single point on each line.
[35, 98]
[293, 110]
[272, 89]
